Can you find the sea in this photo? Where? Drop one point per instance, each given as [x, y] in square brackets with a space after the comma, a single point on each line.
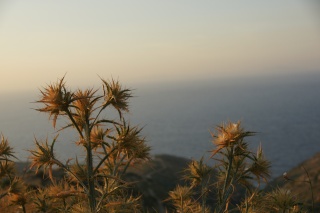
[178, 117]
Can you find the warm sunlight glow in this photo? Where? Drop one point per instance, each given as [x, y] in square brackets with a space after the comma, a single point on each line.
[150, 41]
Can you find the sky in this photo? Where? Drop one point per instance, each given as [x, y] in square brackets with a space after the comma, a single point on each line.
[147, 41]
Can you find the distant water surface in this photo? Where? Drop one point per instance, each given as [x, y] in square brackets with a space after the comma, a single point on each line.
[177, 118]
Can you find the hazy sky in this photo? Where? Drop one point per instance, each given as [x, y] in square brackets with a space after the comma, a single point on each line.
[149, 40]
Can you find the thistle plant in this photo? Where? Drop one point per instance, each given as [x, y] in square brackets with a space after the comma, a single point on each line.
[13, 189]
[115, 143]
[183, 201]
[199, 175]
[236, 167]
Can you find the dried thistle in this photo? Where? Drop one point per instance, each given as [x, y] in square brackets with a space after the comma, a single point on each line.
[80, 208]
[260, 166]
[7, 168]
[282, 200]
[182, 201]
[42, 202]
[130, 142]
[123, 204]
[180, 194]
[61, 190]
[97, 137]
[198, 172]
[17, 186]
[44, 157]
[79, 173]
[83, 103]
[229, 135]
[116, 96]
[18, 199]
[80, 107]
[57, 100]
[5, 150]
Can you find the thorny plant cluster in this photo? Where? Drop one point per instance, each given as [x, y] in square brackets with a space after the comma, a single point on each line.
[88, 187]
[238, 171]
[98, 185]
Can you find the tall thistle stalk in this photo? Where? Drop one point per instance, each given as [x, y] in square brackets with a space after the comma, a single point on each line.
[120, 143]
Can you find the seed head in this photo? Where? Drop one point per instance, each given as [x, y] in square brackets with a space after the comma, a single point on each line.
[56, 99]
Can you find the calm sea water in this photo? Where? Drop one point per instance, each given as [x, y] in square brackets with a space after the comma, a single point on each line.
[177, 118]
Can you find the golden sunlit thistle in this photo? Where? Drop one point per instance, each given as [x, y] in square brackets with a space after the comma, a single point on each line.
[130, 142]
[61, 190]
[43, 156]
[197, 172]
[280, 200]
[83, 103]
[97, 137]
[5, 150]
[18, 199]
[228, 135]
[260, 166]
[116, 96]
[105, 161]
[17, 186]
[7, 168]
[56, 99]
[80, 171]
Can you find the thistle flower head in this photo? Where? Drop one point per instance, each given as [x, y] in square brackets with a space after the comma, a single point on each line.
[180, 193]
[41, 202]
[130, 142]
[43, 156]
[198, 172]
[80, 171]
[182, 201]
[116, 96]
[229, 135]
[97, 136]
[7, 168]
[18, 192]
[260, 166]
[83, 103]
[5, 150]
[17, 186]
[56, 99]
[18, 199]
[281, 199]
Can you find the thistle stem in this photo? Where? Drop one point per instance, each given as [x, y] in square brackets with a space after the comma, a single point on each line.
[74, 122]
[102, 160]
[91, 190]
[226, 182]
